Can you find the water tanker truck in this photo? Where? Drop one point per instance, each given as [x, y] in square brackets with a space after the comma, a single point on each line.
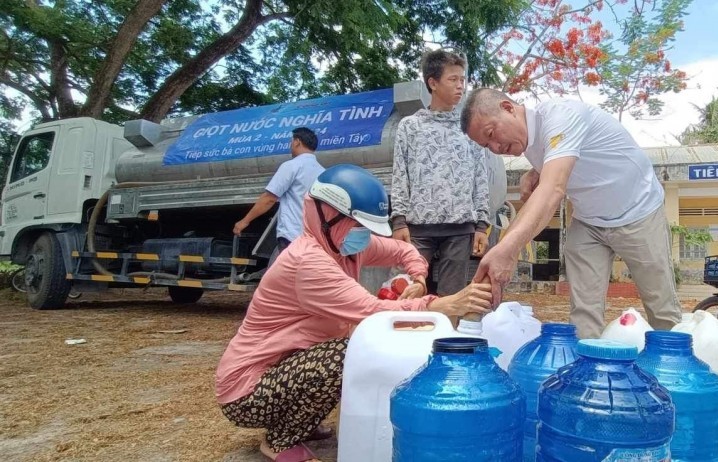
[90, 205]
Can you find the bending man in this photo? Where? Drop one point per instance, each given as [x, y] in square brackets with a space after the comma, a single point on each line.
[581, 151]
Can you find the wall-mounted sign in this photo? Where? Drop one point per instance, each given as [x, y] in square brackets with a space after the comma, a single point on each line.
[703, 172]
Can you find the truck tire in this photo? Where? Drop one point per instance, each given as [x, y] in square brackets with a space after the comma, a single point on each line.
[47, 287]
[185, 294]
[707, 304]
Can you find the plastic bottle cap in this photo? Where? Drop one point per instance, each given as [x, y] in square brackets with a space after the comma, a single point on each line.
[458, 345]
[469, 327]
[606, 349]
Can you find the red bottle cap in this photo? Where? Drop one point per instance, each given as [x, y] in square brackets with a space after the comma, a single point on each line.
[386, 293]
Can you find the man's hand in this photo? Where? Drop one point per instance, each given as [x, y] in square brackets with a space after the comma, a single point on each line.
[240, 226]
[481, 243]
[528, 183]
[499, 266]
[474, 298]
[402, 234]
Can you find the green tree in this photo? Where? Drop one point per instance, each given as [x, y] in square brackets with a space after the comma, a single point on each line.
[637, 68]
[117, 59]
[8, 140]
[109, 59]
[706, 131]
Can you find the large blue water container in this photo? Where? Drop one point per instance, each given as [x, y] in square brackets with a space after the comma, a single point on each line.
[604, 408]
[694, 390]
[459, 407]
[535, 362]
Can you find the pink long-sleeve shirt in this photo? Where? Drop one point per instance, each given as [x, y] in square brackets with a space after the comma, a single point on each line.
[308, 296]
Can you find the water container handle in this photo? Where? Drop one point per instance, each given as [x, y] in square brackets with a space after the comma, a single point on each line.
[440, 320]
[385, 321]
[514, 307]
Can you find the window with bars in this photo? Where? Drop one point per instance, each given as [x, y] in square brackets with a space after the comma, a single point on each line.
[693, 251]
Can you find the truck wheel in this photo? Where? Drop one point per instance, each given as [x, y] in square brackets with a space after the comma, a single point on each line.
[707, 304]
[185, 294]
[45, 273]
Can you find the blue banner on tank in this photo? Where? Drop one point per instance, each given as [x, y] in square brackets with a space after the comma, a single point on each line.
[340, 122]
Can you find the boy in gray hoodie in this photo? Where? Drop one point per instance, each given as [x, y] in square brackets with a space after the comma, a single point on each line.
[440, 192]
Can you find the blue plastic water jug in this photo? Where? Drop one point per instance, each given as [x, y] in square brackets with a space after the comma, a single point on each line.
[604, 408]
[459, 407]
[694, 390]
[534, 363]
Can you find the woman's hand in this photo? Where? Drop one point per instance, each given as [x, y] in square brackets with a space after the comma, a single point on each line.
[413, 290]
[474, 298]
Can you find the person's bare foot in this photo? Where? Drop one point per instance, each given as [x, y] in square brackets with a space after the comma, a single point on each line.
[267, 451]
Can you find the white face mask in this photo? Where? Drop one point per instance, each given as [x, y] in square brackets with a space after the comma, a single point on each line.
[356, 240]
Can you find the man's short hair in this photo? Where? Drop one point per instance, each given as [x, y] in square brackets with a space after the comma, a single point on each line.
[434, 62]
[307, 137]
[481, 101]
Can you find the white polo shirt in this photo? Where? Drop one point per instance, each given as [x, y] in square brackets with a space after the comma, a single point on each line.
[612, 183]
[290, 184]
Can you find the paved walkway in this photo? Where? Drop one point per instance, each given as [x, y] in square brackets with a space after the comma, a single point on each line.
[695, 291]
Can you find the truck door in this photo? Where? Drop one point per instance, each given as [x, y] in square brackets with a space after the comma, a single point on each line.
[25, 196]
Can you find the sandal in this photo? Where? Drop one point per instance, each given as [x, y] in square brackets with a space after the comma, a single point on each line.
[298, 453]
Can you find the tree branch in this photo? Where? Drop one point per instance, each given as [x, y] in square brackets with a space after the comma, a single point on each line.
[38, 101]
[130, 114]
[123, 42]
[162, 101]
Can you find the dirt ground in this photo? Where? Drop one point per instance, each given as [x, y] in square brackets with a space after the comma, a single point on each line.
[141, 386]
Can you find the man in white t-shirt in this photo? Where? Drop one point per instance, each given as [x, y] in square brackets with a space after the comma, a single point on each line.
[288, 186]
[580, 151]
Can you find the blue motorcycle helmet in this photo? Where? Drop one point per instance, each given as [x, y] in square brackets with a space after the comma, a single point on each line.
[355, 193]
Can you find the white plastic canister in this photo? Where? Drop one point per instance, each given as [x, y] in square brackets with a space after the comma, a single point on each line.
[704, 328]
[378, 357]
[628, 328]
[508, 328]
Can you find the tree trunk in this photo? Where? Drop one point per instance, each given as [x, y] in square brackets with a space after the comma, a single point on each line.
[99, 94]
[59, 81]
[162, 101]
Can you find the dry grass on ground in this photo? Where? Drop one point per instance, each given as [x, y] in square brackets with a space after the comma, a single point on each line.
[141, 387]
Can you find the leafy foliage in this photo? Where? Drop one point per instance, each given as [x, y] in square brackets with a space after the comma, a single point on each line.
[118, 59]
[631, 80]
[8, 140]
[691, 236]
[707, 129]
[555, 47]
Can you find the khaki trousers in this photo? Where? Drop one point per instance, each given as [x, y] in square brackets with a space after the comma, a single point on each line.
[645, 247]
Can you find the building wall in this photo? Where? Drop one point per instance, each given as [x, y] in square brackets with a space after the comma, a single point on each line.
[684, 205]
